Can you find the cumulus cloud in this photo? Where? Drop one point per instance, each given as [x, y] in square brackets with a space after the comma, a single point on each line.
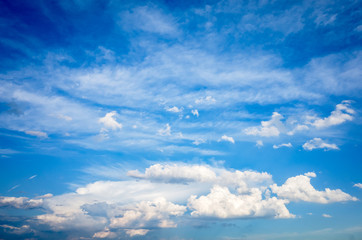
[176, 173]
[20, 202]
[148, 214]
[173, 109]
[109, 121]
[288, 145]
[165, 131]
[318, 143]
[299, 188]
[341, 114]
[270, 128]
[37, 134]
[17, 230]
[105, 234]
[326, 215]
[227, 139]
[164, 193]
[221, 203]
[359, 185]
[181, 173]
[137, 232]
[195, 112]
[259, 143]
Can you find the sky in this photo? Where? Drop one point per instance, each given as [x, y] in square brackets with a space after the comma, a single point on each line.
[227, 120]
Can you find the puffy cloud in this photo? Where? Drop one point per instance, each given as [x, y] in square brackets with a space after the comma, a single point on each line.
[221, 203]
[176, 173]
[181, 173]
[173, 109]
[137, 232]
[299, 188]
[259, 143]
[109, 121]
[20, 202]
[158, 198]
[227, 139]
[195, 112]
[198, 141]
[270, 128]
[341, 114]
[17, 230]
[105, 234]
[37, 134]
[165, 131]
[326, 215]
[148, 214]
[288, 145]
[359, 185]
[318, 143]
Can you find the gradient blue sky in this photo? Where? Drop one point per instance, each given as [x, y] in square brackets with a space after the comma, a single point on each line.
[180, 119]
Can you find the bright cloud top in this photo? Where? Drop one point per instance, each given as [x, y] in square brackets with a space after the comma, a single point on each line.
[269, 128]
[109, 121]
[299, 188]
[341, 114]
[227, 139]
[318, 143]
[164, 192]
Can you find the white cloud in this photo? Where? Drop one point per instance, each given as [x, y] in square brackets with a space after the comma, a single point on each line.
[17, 230]
[20, 202]
[176, 173]
[259, 143]
[105, 234]
[221, 203]
[182, 173]
[154, 213]
[157, 199]
[137, 232]
[326, 215]
[205, 100]
[32, 177]
[288, 145]
[298, 128]
[227, 139]
[195, 112]
[359, 185]
[299, 188]
[174, 109]
[110, 122]
[37, 134]
[198, 141]
[270, 128]
[165, 131]
[318, 143]
[149, 20]
[341, 114]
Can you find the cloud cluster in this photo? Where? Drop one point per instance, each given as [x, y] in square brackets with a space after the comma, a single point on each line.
[165, 193]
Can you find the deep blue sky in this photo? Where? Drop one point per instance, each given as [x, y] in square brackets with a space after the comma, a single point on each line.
[180, 119]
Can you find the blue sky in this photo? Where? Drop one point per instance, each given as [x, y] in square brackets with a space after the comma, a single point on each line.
[180, 119]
